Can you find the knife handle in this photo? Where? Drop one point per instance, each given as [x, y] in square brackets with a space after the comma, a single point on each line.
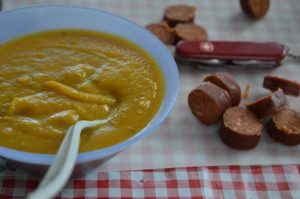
[231, 50]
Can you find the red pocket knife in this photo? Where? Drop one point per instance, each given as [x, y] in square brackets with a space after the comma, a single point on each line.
[268, 54]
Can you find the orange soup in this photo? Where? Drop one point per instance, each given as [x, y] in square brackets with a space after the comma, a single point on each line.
[51, 80]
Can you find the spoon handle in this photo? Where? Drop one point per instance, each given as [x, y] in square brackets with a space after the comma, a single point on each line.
[62, 167]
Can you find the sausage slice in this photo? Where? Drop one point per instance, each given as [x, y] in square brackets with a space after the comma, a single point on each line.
[268, 105]
[228, 83]
[179, 14]
[190, 32]
[240, 129]
[284, 127]
[162, 32]
[289, 87]
[255, 8]
[208, 102]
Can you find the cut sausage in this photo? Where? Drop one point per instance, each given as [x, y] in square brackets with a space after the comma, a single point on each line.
[284, 127]
[268, 105]
[255, 8]
[190, 32]
[208, 102]
[240, 129]
[228, 83]
[289, 87]
[179, 14]
[164, 33]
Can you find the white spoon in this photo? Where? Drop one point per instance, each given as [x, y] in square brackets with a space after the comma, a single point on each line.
[61, 169]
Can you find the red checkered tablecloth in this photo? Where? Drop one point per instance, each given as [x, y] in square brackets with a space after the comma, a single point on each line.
[182, 142]
[247, 182]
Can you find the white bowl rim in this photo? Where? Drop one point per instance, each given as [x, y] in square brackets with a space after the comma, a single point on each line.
[47, 159]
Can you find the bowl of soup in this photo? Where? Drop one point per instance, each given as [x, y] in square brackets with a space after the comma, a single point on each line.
[63, 64]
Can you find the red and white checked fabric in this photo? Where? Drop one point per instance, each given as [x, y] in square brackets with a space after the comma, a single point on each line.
[229, 182]
[182, 140]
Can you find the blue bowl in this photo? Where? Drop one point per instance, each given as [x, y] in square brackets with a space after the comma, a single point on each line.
[18, 22]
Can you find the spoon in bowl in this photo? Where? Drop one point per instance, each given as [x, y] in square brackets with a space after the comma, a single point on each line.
[61, 169]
